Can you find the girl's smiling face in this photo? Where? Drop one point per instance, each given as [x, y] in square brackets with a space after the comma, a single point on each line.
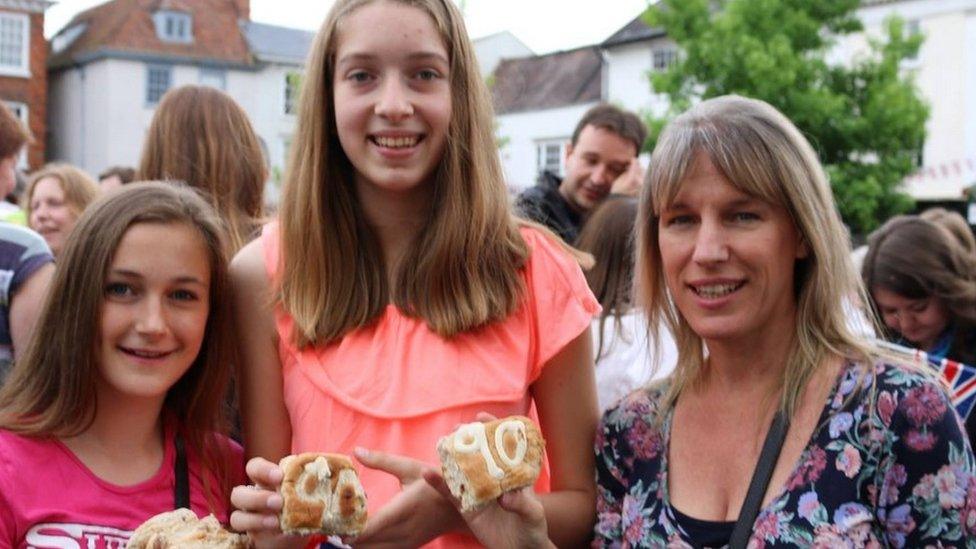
[392, 95]
[154, 309]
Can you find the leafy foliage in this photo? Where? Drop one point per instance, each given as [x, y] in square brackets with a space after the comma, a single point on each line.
[864, 116]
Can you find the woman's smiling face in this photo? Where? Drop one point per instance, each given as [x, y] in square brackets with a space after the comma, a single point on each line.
[728, 258]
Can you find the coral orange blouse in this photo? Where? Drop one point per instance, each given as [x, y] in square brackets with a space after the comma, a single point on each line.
[397, 387]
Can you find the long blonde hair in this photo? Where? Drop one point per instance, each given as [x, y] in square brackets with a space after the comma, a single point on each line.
[202, 137]
[461, 272]
[763, 155]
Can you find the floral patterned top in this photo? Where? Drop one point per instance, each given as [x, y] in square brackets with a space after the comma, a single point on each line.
[902, 475]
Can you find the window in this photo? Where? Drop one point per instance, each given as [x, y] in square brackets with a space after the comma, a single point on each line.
[293, 84]
[549, 155]
[173, 26]
[14, 44]
[158, 80]
[663, 58]
[214, 78]
[20, 111]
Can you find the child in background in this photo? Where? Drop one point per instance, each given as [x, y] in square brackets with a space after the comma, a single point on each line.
[114, 414]
[397, 296]
[624, 360]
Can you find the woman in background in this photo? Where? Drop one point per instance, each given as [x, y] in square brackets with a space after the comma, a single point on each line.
[201, 136]
[56, 196]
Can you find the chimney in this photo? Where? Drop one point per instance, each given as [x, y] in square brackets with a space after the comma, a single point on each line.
[243, 9]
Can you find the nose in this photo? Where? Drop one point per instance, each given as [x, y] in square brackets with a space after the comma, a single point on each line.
[601, 175]
[711, 244]
[394, 100]
[152, 318]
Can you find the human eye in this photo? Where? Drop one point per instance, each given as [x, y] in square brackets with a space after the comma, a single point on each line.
[678, 220]
[359, 76]
[918, 306]
[183, 294]
[745, 216]
[119, 290]
[428, 75]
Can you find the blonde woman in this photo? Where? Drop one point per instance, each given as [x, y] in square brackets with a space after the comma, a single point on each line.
[56, 196]
[396, 296]
[780, 426]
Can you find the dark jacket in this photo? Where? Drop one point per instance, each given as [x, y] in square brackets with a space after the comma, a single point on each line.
[543, 204]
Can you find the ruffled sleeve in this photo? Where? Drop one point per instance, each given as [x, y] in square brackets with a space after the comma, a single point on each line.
[561, 304]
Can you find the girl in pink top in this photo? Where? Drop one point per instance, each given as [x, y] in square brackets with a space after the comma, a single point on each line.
[397, 297]
[124, 379]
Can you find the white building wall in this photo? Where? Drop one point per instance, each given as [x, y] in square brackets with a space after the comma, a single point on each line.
[524, 131]
[945, 72]
[490, 50]
[99, 115]
[628, 77]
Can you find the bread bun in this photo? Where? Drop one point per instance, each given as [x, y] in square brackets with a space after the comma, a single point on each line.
[322, 495]
[182, 528]
[481, 461]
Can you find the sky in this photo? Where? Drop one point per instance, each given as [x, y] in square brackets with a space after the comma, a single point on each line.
[543, 25]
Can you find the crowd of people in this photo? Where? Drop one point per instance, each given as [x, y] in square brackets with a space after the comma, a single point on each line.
[707, 364]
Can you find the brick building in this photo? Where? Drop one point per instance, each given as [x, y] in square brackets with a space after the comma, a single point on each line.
[23, 69]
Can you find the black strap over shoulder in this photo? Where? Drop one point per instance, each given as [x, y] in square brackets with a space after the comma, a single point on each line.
[760, 481]
[181, 489]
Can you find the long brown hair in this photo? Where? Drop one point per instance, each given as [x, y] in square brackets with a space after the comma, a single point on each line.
[462, 270]
[51, 391]
[763, 155]
[78, 187]
[609, 235]
[917, 259]
[200, 136]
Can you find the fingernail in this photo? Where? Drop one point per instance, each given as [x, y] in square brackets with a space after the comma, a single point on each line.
[275, 502]
[276, 474]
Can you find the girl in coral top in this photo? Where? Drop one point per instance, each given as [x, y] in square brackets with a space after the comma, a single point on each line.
[396, 296]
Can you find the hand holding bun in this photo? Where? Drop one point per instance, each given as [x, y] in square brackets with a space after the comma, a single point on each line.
[481, 461]
[321, 493]
[181, 528]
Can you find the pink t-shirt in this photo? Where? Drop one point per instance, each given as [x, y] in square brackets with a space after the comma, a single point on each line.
[398, 387]
[49, 498]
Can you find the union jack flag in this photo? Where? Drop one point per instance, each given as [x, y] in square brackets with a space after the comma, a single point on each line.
[961, 378]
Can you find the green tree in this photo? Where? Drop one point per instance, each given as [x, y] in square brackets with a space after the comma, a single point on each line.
[864, 117]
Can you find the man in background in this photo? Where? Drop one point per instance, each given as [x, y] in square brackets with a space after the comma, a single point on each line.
[600, 159]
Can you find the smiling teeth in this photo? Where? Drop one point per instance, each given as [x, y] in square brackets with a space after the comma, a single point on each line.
[716, 291]
[396, 142]
[147, 354]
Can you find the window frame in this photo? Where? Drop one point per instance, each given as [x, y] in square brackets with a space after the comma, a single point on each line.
[174, 26]
[22, 70]
[543, 149]
[22, 111]
[150, 68]
[669, 54]
[291, 93]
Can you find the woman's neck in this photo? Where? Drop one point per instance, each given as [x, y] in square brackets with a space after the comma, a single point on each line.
[396, 217]
[751, 365]
[124, 443]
